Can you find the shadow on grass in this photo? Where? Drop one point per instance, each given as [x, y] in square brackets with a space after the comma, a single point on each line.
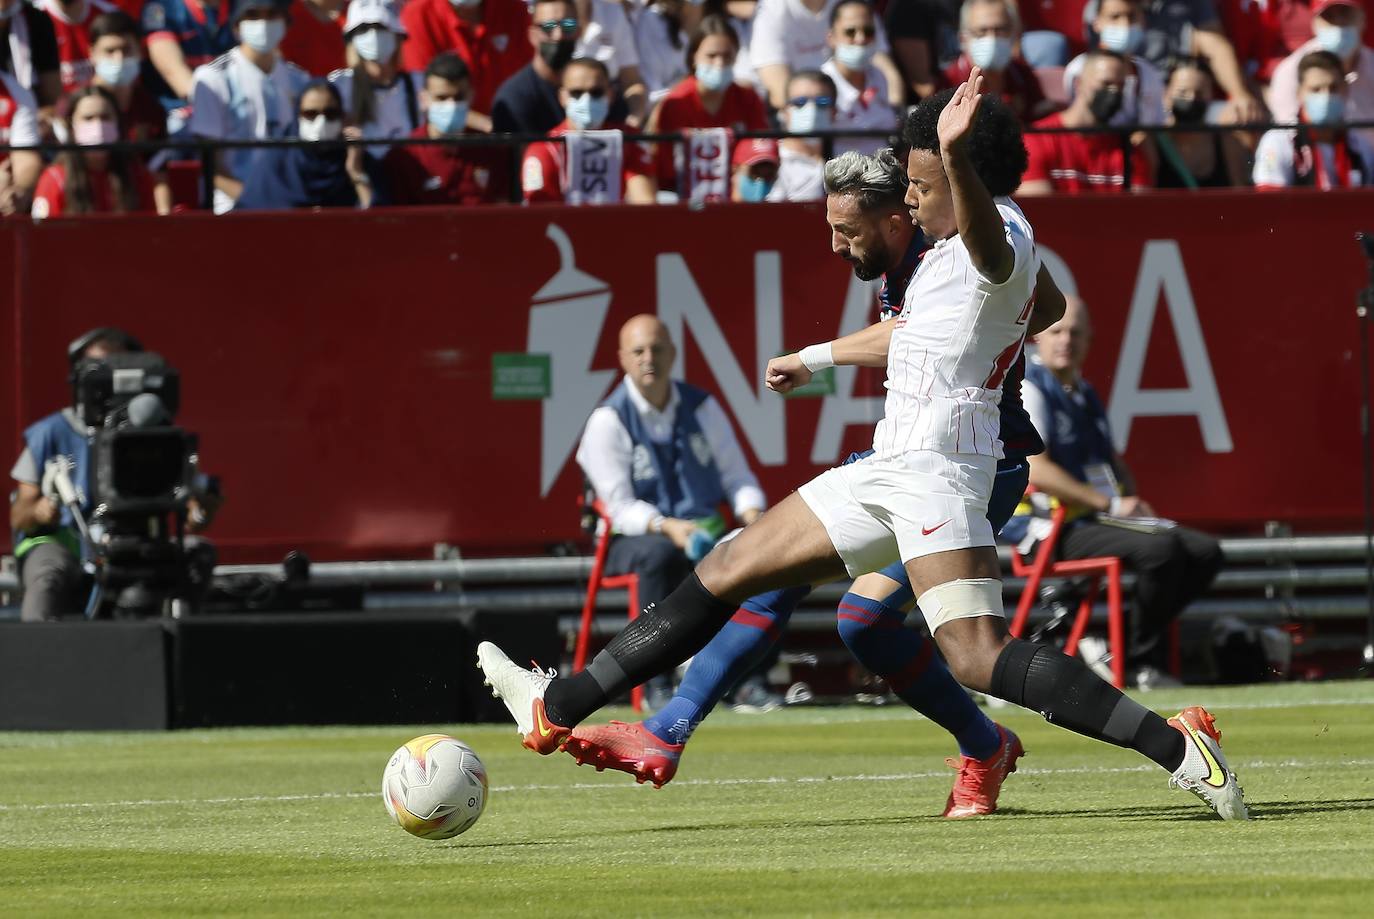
[1266, 810]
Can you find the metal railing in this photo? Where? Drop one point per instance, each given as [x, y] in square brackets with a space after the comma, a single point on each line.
[204, 150]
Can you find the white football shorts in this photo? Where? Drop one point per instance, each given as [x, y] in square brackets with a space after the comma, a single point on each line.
[910, 505]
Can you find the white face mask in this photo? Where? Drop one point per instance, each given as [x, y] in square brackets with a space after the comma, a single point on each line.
[855, 57]
[375, 45]
[116, 71]
[990, 52]
[1339, 40]
[319, 128]
[262, 35]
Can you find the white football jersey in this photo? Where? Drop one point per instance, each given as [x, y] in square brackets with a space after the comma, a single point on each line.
[956, 337]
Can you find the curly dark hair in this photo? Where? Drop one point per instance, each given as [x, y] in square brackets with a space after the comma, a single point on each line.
[996, 148]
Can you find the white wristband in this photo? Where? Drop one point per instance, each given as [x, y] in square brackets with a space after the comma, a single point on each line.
[817, 357]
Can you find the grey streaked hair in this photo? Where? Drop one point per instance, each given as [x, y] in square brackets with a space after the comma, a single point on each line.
[1013, 14]
[876, 182]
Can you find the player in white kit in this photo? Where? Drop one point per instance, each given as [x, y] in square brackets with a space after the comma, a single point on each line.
[923, 493]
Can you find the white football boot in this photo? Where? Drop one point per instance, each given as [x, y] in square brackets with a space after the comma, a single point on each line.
[522, 690]
[1204, 771]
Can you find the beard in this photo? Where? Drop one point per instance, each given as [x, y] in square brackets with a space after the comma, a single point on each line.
[873, 265]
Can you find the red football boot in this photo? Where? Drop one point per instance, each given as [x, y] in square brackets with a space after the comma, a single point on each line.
[625, 748]
[980, 780]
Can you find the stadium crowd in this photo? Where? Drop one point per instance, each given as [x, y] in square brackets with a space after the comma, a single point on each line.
[594, 74]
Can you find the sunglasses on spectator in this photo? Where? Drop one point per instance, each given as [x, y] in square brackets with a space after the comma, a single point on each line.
[821, 101]
[596, 93]
[330, 114]
[855, 32]
[553, 25]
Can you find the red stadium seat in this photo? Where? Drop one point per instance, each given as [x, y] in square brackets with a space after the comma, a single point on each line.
[596, 582]
[1043, 566]
[1051, 81]
[1106, 567]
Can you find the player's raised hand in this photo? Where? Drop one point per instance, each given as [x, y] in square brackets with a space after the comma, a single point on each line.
[956, 120]
[786, 373]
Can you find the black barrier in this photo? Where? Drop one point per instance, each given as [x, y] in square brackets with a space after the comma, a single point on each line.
[395, 667]
[205, 150]
[75, 676]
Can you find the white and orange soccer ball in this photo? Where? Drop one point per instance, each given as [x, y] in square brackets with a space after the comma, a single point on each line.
[435, 787]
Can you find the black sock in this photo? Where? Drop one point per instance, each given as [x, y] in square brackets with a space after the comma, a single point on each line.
[663, 636]
[1069, 694]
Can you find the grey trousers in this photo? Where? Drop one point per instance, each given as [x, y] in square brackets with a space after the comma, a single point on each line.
[54, 584]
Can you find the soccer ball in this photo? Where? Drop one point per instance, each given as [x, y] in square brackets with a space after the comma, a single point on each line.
[435, 787]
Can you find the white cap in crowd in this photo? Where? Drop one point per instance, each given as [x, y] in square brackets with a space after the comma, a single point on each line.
[385, 13]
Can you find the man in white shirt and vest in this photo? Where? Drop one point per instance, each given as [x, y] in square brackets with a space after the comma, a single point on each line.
[661, 457]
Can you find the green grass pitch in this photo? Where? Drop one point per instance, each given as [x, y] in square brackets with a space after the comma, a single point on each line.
[819, 811]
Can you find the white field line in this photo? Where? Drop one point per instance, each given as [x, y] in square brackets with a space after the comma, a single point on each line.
[618, 786]
[895, 711]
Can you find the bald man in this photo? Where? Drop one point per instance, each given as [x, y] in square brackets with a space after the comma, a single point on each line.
[662, 458]
[1081, 469]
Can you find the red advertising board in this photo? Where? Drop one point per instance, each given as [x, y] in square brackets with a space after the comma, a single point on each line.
[368, 385]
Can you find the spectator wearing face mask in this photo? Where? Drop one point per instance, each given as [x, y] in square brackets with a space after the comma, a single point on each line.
[248, 94]
[314, 39]
[1086, 163]
[19, 169]
[71, 21]
[1336, 29]
[550, 172]
[1319, 152]
[755, 170]
[182, 35]
[861, 96]
[323, 173]
[489, 35]
[790, 35]
[96, 181]
[116, 67]
[378, 97]
[709, 98]
[447, 173]
[528, 103]
[1196, 159]
[1191, 28]
[608, 37]
[989, 34]
[810, 109]
[1120, 29]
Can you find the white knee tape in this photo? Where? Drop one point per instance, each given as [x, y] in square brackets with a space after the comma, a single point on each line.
[966, 598]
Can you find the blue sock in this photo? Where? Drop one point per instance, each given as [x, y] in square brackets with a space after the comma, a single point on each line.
[877, 637]
[737, 648]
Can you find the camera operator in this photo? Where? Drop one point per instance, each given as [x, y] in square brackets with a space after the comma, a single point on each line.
[57, 451]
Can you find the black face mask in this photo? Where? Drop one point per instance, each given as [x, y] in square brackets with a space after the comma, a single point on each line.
[1189, 111]
[1106, 102]
[557, 53]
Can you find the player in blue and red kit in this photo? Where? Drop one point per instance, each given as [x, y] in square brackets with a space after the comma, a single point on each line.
[870, 229]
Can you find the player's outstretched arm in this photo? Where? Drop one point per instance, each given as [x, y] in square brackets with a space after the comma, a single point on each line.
[980, 224]
[865, 348]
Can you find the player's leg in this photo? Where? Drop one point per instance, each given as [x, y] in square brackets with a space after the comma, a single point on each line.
[965, 614]
[788, 545]
[871, 622]
[652, 749]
